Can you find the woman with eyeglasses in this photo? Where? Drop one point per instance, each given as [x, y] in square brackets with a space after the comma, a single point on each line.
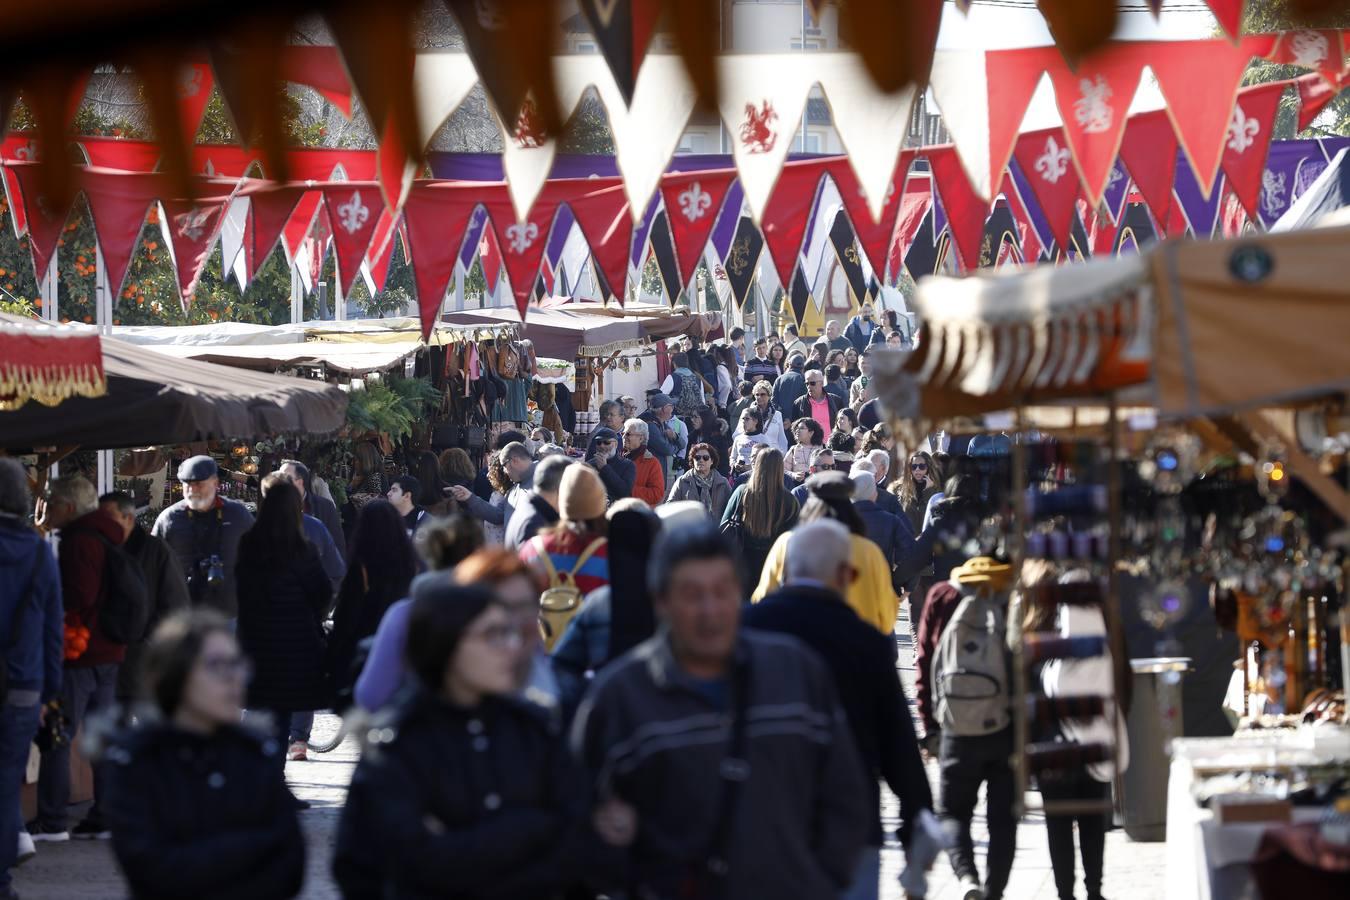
[810, 437]
[469, 791]
[702, 482]
[650, 483]
[196, 801]
[769, 417]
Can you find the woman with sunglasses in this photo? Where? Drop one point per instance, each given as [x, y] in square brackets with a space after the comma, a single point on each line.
[706, 427]
[196, 801]
[702, 482]
[917, 484]
[468, 792]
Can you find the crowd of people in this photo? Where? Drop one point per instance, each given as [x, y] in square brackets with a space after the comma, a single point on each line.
[661, 666]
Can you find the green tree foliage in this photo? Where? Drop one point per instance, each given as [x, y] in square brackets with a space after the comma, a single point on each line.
[1275, 15]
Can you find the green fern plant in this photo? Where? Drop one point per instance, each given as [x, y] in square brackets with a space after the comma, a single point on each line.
[392, 407]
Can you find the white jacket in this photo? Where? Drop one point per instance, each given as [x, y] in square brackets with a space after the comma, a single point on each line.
[1091, 677]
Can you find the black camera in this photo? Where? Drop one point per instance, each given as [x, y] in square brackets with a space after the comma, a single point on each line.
[210, 571]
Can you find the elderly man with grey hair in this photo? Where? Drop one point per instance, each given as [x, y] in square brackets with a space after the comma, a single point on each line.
[540, 509]
[30, 597]
[810, 607]
[881, 463]
[888, 531]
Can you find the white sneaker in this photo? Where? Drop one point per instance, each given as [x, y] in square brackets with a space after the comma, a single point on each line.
[27, 849]
[928, 840]
[972, 888]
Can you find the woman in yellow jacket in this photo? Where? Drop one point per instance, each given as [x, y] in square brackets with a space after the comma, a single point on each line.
[871, 594]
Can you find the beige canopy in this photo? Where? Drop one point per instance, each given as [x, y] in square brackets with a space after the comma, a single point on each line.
[1208, 327]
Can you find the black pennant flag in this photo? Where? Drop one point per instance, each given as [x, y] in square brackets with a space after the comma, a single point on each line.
[743, 259]
[800, 295]
[922, 257]
[663, 246]
[873, 288]
[622, 29]
[998, 228]
[842, 237]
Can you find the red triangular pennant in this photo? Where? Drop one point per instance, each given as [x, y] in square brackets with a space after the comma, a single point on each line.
[1094, 102]
[522, 243]
[600, 207]
[1047, 166]
[44, 221]
[271, 209]
[196, 82]
[381, 251]
[127, 156]
[915, 202]
[1318, 50]
[321, 68]
[966, 212]
[436, 215]
[301, 220]
[118, 203]
[1313, 96]
[785, 217]
[873, 237]
[693, 203]
[1201, 108]
[1012, 77]
[1149, 152]
[490, 258]
[1249, 133]
[1229, 14]
[192, 227]
[353, 212]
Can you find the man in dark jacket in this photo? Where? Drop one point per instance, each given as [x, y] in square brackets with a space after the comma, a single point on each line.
[30, 597]
[540, 510]
[203, 530]
[320, 508]
[861, 328]
[90, 681]
[810, 607]
[617, 473]
[778, 797]
[791, 385]
[817, 404]
[164, 583]
[888, 531]
[822, 460]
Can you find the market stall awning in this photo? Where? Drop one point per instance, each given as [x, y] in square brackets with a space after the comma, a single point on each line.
[48, 363]
[560, 333]
[1034, 335]
[349, 358]
[1212, 327]
[156, 399]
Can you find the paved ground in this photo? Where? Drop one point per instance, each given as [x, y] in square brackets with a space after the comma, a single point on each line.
[85, 870]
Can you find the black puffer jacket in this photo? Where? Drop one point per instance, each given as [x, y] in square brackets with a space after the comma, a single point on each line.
[281, 606]
[450, 802]
[202, 818]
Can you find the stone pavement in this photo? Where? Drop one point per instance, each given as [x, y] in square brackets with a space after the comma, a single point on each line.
[85, 870]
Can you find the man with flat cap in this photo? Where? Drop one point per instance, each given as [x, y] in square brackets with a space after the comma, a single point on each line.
[203, 530]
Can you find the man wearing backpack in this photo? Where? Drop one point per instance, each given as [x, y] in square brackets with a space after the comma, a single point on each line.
[98, 581]
[684, 386]
[965, 701]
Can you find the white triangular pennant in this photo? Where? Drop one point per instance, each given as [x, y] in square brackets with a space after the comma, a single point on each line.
[528, 154]
[645, 133]
[441, 81]
[232, 237]
[872, 124]
[961, 90]
[762, 100]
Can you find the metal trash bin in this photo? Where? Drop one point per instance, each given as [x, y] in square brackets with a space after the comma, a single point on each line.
[1154, 720]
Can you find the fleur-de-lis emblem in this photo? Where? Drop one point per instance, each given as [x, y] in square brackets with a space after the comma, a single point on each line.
[694, 202]
[1092, 109]
[192, 223]
[851, 254]
[28, 151]
[189, 82]
[1272, 193]
[520, 237]
[1242, 131]
[739, 257]
[756, 133]
[1309, 48]
[353, 214]
[1054, 162]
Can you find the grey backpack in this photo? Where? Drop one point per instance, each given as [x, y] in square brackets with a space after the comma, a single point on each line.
[970, 669]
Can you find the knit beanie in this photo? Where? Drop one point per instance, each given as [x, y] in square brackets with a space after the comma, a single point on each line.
[581, 495]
